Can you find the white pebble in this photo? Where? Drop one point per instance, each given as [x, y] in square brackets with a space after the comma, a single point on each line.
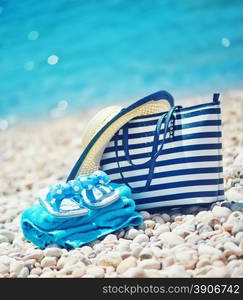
[211, 251]
[146, 253]
[35, 254]
[177, 271]
[149, 224]
[48, 261]
[127, 263]
[132, 233]
[141, 238]
[9, 234]
[165, 217]
[111, 259]
[235, 194]
[24, 273]
[170, 239]
[4, 269]
[149, 264]
[146, 215]
[97, 272]
[86, 250]
[53, 252]
[221, 211]
[135, 272]
[16, 266]
[3, 239]
[110, 239]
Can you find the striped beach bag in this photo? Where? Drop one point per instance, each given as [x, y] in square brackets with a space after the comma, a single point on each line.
[169, 159]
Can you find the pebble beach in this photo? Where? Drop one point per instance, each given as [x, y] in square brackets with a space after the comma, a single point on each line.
[193, 241]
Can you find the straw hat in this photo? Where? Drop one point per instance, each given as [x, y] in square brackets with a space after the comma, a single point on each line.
[103, 126]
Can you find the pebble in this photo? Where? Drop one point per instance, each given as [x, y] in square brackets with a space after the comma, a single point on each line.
[66, 261]
[238, 227]
[136, 251]
[208, 250]
[237, 272]
[3, 239]
[29, 263]
[187, 258]
[146, 253]
[149, 224]
[239, 237]
[48, 261]
[217, 272]
[48, 274]
[158, 219]
[231, 248]
[132, 233]
[112, 259]
[135, 272]
[177, 271]
[165, 217]
[148, 232]
[36, 271]
[33, 276]
[140, 238]
[220, 211]
[8, 234]
[53, 252]
[98, 248]
[4, 269]
[127, 263]
[235, 194]
[157, 252]
[16, 267]
[170, 239]
[161, 229]
[88, 276]
[239, 160]
[86, 250]
[110, 239]
[153, 273]
[149, 264]
[202, 263]
[24, 273]
[78, 272]
[34, 254]
[146, 215]
[95, 271]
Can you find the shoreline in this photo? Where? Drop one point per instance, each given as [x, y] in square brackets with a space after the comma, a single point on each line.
[198, 98]
[210, 239]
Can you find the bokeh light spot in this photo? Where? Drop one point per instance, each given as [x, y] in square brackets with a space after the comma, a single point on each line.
[33, 35]
[225, 42]
[52, 60]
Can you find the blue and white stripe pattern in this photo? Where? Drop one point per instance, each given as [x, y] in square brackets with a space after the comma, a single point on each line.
[187, 171]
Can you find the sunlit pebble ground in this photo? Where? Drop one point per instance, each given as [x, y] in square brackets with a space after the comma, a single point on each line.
[203, 241]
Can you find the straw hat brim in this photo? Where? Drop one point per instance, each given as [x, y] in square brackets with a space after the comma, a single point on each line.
[103, 126]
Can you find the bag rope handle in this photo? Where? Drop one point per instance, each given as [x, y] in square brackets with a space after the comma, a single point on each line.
[155, 151]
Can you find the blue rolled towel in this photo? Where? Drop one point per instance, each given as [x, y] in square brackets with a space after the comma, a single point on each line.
[42, 228]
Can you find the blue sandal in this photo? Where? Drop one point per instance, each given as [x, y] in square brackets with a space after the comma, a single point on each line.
[76, 197]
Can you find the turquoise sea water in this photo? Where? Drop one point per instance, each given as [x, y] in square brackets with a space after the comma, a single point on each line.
[59, 56]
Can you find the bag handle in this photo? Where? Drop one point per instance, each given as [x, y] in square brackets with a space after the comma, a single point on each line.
[155, 151]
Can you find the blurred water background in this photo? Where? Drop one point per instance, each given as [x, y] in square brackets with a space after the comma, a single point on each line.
[61, 56]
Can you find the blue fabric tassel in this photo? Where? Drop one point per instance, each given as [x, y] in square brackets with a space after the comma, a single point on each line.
[42, 229]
